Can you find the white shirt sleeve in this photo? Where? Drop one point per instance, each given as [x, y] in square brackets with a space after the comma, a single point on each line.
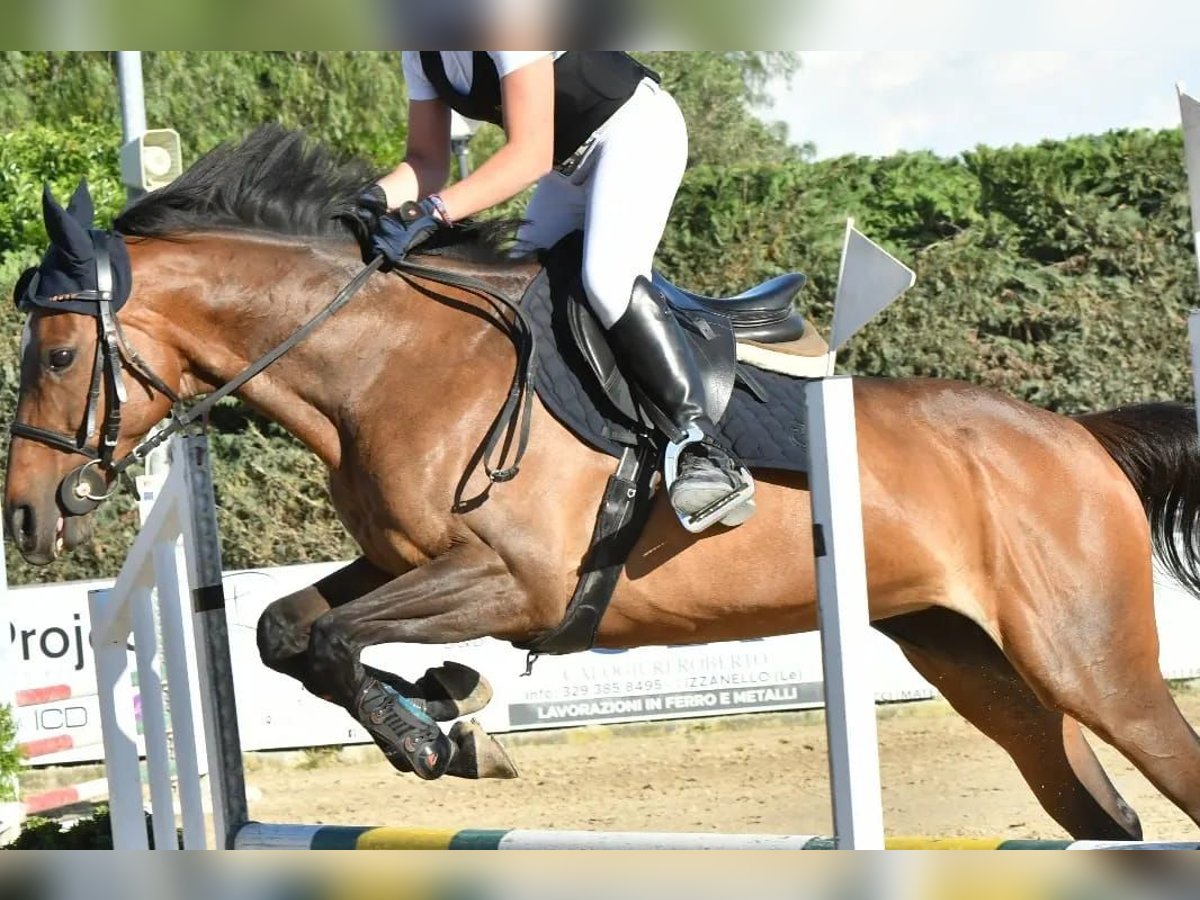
[419, 87]
[508, 61]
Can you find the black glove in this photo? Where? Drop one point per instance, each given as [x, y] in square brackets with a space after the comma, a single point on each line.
[369, 207]
[397, 234]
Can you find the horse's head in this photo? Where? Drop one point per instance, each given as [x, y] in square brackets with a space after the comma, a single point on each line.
[77, 413]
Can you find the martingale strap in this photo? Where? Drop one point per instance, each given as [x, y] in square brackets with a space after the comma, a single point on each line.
[619, 522]
[517, 413]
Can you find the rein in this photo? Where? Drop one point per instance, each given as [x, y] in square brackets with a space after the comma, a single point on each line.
[83, 489]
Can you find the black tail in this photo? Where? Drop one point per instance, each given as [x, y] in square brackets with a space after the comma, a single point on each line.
[1157, 447]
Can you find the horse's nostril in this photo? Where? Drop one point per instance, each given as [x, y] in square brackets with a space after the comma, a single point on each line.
[21, 526]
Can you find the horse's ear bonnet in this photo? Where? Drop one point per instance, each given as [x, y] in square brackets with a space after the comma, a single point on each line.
[69, 267]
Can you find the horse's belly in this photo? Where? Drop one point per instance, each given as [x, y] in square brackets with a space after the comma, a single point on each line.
[730, 584]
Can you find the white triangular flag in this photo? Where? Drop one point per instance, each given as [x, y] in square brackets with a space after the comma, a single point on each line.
[869, 280]
[1189, 111]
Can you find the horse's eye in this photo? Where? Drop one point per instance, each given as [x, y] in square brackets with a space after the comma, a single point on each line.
[61, 359]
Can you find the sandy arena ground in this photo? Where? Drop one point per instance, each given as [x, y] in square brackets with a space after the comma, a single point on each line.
[746, 774]
[764, 773]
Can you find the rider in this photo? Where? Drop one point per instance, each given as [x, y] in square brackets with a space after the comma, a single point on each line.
[607, 147]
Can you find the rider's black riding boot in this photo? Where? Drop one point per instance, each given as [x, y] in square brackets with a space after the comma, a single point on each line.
[710, 485]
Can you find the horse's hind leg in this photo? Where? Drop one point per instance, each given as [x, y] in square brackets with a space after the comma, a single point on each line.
[1099, 664]
[1049, 748]
[284, 630]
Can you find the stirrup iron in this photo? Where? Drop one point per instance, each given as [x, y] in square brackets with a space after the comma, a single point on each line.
[716, 511]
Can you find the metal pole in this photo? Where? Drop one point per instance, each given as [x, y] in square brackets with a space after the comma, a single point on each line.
[217, 697]
[844, 614]
[133, 102]
[462, 151]
[133, 98]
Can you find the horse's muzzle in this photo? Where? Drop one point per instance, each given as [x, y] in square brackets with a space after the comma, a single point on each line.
[43, 535]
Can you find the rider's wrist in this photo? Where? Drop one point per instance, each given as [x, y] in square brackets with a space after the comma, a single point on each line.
[439, 207]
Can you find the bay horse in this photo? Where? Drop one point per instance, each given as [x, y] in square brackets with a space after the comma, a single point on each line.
[1009, 549]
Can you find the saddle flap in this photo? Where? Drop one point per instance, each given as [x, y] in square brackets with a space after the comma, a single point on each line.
[594, 347]
[710, 335]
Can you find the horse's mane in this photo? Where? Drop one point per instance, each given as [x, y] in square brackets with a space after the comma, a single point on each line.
[282, 181]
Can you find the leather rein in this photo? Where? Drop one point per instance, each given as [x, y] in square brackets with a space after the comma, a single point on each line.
[85, 487]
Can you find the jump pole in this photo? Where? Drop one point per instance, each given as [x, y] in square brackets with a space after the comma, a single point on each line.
[869, 280]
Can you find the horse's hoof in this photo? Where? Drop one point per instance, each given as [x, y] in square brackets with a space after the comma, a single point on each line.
[478, 754]
[453, 690]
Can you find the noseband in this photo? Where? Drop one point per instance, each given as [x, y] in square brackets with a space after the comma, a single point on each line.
[86, 486]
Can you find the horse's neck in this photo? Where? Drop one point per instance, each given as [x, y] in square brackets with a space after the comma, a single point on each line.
[375, 350]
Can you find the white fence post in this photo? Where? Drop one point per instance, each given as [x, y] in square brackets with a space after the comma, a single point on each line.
[154, 719]
[182, 513]
[180, 665]
[1189, 113]
[844, 614]
[869, 280]
[114, 689]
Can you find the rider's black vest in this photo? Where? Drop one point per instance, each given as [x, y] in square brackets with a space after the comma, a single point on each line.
[589, 86]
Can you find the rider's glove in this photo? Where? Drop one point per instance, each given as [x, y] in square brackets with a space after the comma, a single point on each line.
[397, 234]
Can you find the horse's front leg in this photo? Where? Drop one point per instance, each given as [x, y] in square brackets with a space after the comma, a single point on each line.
[285, 629]
[465, 594]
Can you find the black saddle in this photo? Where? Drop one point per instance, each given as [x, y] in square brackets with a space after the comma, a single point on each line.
[763, 313]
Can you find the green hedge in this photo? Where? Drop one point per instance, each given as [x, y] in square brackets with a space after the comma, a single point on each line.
[1060, 273]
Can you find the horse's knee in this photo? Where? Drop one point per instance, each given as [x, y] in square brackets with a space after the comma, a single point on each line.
[280, 637]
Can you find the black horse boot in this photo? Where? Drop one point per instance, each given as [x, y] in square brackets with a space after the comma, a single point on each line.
[706, 483]
[409, 738]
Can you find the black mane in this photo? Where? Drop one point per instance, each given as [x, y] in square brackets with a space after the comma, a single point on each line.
[283, 182]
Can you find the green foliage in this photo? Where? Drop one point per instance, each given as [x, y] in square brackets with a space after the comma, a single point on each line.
[60, 156]
[716, 92]
[352, 99]
[355, 100]
[91, 833]
[10, 756]
[1060, 273]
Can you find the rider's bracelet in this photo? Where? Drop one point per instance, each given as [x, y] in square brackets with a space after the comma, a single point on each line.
[440, 206]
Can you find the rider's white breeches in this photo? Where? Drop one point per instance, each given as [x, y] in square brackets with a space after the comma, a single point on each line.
[620, 196]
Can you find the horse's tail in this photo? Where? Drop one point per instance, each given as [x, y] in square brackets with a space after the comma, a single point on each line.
[1157, 447]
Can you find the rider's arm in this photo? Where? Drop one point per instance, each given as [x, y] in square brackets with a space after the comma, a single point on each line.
[527, 98]
[426, 164]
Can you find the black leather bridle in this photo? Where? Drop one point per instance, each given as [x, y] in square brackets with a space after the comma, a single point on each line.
[86, 486]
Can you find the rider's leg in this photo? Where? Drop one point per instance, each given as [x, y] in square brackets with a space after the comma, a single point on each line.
[631, 179]
[555, 210]
[659, 358]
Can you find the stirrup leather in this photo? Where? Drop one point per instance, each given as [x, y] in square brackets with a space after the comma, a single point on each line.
[714, 512]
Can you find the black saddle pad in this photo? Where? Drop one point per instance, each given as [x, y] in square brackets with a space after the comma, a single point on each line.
[764, 435]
